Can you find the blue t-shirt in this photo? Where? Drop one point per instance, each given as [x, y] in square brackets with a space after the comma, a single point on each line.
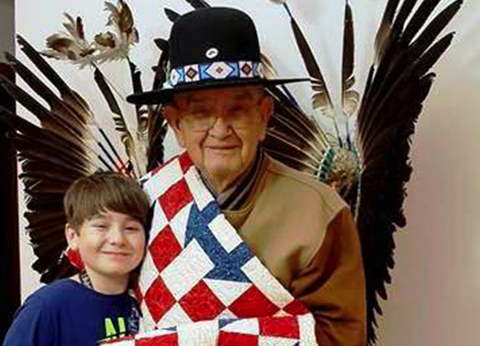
[68, 313]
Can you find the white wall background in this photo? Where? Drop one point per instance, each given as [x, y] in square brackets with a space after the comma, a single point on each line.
[6, 26]
[434, 299]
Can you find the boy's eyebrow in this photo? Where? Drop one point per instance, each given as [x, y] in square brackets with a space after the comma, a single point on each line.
[97, 216]
[131, 218]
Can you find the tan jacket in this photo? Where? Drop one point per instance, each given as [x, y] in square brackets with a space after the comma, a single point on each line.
[305, 235]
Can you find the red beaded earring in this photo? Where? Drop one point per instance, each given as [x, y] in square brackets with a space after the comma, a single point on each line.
[75, 258]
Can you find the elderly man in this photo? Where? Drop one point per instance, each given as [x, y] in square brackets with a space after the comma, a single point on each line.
[239, 238]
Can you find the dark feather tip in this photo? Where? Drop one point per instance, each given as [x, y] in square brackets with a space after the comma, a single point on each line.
[161, 43]
[172, 15]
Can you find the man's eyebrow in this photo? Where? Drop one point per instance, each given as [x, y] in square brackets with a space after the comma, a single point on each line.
[245, 95]
[192, 100]
[248, 95]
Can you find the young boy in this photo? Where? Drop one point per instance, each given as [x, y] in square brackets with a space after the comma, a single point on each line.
[107, 215]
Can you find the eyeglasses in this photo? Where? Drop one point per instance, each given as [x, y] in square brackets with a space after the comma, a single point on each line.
[203, 118]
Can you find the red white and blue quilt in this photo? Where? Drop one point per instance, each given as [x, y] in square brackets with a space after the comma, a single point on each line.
[200, 283]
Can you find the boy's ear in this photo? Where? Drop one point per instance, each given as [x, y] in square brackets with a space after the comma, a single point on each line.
[71, 236]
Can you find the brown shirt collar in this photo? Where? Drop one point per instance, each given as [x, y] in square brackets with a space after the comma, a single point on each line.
[236, 195]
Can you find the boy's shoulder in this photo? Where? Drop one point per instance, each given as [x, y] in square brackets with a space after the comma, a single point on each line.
[55, 294]
[37, 320]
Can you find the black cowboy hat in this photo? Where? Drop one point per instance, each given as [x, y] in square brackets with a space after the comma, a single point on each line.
[211, 48]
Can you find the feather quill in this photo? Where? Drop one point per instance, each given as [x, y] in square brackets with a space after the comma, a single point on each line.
[197, 4]
[162, 66]
[268, 70]
[403, 14]
[434, 28]
[384, 37]
[418, 20]
[134, 145]
[157, 130]
[350, 97]
[141, 112]
[157, 125]
[321, 98]
[293, 137]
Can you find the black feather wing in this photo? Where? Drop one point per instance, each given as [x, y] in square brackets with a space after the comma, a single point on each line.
[157, 125]
[52, 156]
[293, 137]
[396, 88]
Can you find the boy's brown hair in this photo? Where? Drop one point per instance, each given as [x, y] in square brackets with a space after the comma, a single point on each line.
[103, 192]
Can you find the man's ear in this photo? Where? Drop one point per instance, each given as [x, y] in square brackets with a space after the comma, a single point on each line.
[72, 237]
[266, 111]
[172, 115]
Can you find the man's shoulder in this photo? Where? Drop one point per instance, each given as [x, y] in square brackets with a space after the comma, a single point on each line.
[304, 186]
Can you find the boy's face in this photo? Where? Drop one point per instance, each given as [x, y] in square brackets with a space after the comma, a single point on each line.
[111, 245]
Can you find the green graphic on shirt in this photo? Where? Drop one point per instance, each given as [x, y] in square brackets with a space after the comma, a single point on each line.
[111, 332]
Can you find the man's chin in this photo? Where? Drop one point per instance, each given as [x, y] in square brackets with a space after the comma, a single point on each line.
[222, 173]
[226, 153]
[222, 164]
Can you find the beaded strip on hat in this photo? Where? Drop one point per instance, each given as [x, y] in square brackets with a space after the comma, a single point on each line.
[219, 70]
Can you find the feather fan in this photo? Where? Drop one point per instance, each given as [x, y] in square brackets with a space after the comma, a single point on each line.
[406, 48]
[69, 143]
[51, 158]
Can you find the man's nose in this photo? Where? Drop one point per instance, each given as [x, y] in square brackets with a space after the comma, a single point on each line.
[220, 128]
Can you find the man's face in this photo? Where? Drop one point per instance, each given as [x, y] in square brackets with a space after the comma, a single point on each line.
[221, 129]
